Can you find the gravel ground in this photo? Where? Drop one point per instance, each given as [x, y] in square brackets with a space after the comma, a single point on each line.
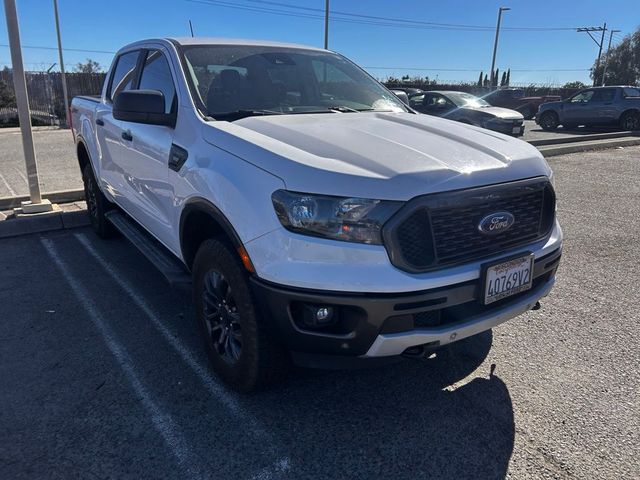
[103, 375]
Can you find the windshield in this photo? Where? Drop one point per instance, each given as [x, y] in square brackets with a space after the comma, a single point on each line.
[228, 79]
[467, 100]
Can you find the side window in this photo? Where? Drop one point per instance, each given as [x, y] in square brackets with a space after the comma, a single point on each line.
[604, 95]
[582, 97]
[156, 75]
[123, 74]
[630, 92]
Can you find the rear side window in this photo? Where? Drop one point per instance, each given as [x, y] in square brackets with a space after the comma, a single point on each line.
[630, 92]
[604, 95]
[123, 74]
[156, 75]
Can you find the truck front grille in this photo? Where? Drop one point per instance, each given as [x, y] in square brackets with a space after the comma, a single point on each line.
[442, 229]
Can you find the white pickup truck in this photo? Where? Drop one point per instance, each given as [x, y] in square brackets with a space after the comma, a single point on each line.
[316, 216]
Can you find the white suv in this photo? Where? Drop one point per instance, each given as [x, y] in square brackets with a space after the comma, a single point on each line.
[319, 218]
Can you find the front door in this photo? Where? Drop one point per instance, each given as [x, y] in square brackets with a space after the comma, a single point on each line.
[147, 153]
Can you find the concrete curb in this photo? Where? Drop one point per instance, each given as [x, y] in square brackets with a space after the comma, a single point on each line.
[582, 138]
[43, 222]
[62, 196]
[555, 150]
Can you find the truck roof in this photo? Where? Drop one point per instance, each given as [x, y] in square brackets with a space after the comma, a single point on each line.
[222, 41]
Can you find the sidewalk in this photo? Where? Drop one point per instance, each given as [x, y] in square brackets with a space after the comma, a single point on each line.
[69, 215]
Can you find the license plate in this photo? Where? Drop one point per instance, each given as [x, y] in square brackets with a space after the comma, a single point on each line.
[516, 129]
[507, 278]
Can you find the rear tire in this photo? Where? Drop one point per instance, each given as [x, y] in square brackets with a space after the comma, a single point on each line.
[630, 121]
[97, 204]
[242, 352]
[549, 121]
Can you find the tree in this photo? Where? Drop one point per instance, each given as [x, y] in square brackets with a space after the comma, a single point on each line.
[7, 98]
[90, 66]
[623, 66]
[503, 80]
[486, 80]
[480, 79]
[494, 78]
[577, 85]
[508, 77]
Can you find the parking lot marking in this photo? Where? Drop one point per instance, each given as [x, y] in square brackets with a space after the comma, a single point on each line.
[227, 398]
[162, 421]
[22, 175]
[12, 192]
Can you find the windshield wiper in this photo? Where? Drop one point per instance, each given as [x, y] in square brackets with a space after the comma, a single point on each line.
[343, 109]
[239, 114]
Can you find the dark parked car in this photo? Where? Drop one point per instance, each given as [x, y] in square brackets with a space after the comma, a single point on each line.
[467, 108]
[515, 99]
[593, 107]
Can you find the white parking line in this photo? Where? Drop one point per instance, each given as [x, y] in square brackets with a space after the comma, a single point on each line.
[26, 182]
[282, 465]
[163, 422]
[12, 192]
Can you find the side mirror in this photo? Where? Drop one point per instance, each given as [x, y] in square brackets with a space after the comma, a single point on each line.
[142, 106]
[402, 96]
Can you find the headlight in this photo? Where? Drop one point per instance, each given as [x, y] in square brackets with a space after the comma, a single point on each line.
[348, 219]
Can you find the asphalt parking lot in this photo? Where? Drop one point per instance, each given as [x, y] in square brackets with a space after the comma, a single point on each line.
[59, 169]
[103, 375]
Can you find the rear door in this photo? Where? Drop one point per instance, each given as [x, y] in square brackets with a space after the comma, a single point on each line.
[148, 149]
[602, 107]
[109, 130]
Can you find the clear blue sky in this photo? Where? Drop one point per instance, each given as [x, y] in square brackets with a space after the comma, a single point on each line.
[448, 53]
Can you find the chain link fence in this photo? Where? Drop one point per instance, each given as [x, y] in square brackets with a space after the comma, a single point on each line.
[46, 100]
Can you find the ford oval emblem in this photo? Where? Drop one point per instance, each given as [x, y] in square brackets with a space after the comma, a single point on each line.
[496, 223]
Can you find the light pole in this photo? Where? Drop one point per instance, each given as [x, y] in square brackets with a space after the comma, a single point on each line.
[36, 205]
[62, 72]
[606, 59]
[495, 43]
[326, 25]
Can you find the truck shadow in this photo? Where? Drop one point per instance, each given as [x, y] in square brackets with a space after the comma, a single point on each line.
[407, 420]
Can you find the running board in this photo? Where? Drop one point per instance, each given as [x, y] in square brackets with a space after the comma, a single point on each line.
[154, 251]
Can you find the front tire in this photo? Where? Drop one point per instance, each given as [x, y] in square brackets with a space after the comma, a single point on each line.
[549, 121]
[97, 204]
[243, 353]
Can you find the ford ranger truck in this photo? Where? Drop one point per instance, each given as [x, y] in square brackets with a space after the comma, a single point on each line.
[315, 216]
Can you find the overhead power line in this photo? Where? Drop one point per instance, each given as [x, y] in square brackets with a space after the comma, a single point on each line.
[56, 48]
[286, 9]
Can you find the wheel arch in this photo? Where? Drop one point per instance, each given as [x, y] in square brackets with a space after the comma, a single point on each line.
[200, 220]
[635, 110]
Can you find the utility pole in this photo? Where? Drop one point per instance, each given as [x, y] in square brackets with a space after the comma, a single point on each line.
[495, 43]
[191, 27]
[62, 72]
[36, 205]
[606, 58]
[600, 43]
[326, 25]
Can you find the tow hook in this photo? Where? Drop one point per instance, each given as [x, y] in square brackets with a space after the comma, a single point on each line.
[537, 306]
[421, 351]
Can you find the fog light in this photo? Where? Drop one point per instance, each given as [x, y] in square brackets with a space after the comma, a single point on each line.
[309, 315]
[324, 314]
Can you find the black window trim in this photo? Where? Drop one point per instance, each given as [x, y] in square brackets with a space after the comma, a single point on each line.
[144, 52]
[136, 73]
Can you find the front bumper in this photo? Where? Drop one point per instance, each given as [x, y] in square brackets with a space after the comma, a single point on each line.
[508, 127]
[385, 325]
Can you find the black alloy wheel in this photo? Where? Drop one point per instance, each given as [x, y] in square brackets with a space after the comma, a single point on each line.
[221, 317]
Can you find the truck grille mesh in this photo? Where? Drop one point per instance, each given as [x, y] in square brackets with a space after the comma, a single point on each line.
[438, 233]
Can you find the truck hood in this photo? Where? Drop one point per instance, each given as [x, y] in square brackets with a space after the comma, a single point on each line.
[394, 156]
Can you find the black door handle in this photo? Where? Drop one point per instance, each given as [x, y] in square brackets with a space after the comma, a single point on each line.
[127, 136]
[100, 122]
